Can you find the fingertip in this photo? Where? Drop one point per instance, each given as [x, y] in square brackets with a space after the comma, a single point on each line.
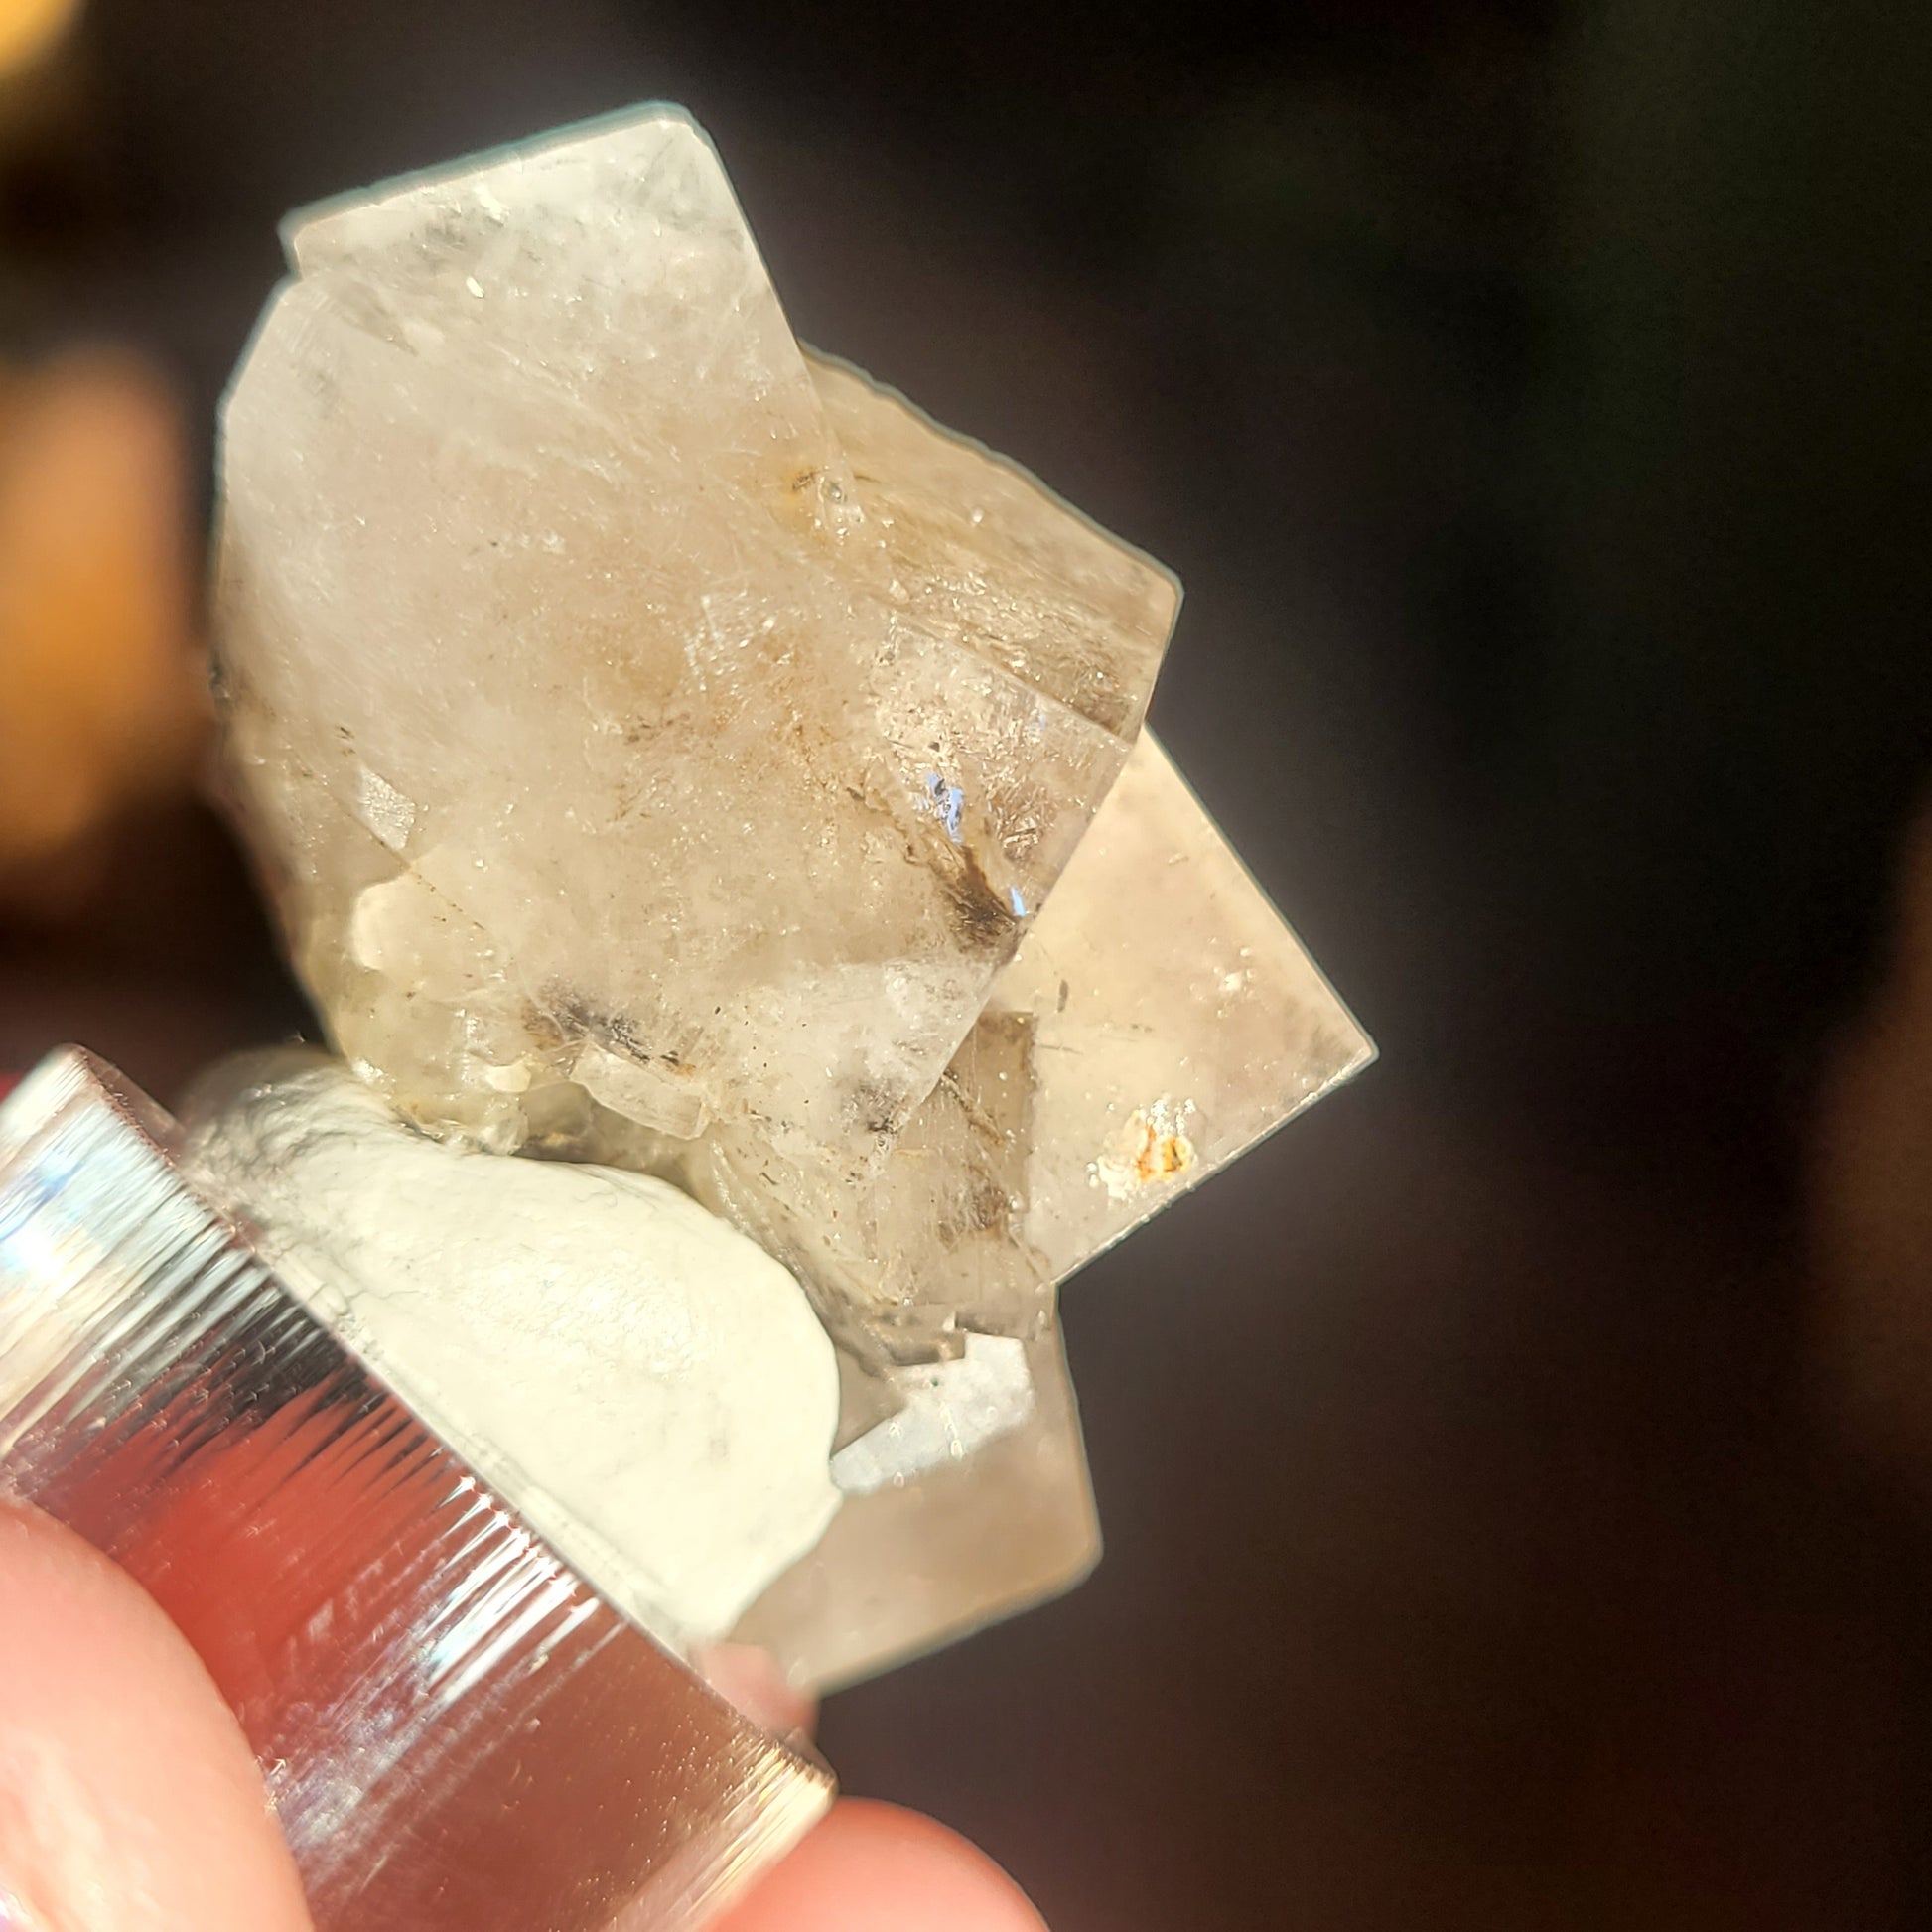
[128, 1795]
[874, 1867]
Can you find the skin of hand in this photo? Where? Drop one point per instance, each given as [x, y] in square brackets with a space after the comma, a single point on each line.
[129, 1801]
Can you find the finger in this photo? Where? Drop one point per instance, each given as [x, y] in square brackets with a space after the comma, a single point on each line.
[873, 1867]
[129, 1801]
[743, 1675]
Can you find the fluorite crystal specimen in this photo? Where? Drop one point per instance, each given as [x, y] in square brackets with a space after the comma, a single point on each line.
[667, 748]
[1169, 1020]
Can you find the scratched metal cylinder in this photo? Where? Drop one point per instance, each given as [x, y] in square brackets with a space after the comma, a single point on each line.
[457, 1731]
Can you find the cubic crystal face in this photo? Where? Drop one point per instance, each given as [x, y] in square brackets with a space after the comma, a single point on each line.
[1176, 1019]
[931, 1545]
[669, 748]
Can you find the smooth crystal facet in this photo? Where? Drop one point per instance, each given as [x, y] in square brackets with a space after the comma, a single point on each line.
[940, 1545]
[1176, 1019]
[1169, 1020]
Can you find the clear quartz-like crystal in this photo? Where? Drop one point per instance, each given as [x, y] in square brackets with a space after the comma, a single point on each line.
[668, 748]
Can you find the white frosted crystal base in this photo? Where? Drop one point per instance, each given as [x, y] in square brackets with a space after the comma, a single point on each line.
[651, 1387]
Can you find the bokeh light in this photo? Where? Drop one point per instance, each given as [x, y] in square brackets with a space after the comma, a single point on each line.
[28, 28]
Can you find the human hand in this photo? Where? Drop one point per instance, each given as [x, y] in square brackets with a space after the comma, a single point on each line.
[129, 1801]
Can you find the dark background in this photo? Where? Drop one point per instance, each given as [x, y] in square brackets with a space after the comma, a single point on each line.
[1535, 403]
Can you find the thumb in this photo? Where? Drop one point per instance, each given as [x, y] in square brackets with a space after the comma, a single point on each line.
[129, 1801]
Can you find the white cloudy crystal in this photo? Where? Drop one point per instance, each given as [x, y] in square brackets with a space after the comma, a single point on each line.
[649, 1386]
[951, 1410]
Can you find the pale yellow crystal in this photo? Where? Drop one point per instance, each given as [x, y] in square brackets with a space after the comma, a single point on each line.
[1176, 1019]
[1171, 1019]
[1156, 1021]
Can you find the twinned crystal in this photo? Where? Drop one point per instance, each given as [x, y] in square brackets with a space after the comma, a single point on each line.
[666, 748]
[1171, 1019]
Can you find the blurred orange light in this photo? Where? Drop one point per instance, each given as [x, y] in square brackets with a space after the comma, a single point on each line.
[29, 28]
[100, 699]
